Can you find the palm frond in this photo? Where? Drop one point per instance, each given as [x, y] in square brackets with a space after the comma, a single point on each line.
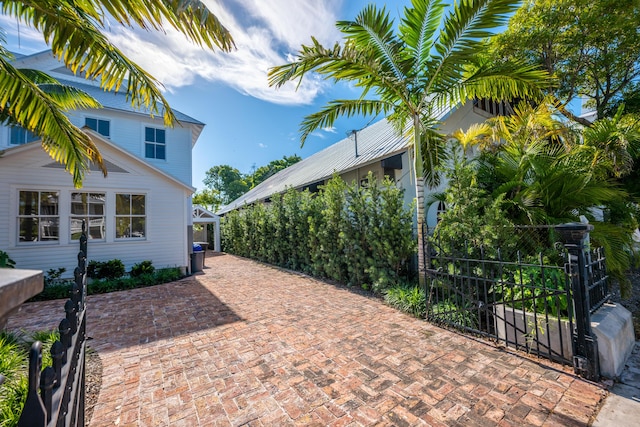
[463, 30]
[373, 31]
[327, 116]
[29, 106]
[419, 27]
[434, 154]
[73, 30]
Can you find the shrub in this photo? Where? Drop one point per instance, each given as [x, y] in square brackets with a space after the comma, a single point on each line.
[357, 235]
[53, 275]
[111, 269]
[6, 261]
[144, 267]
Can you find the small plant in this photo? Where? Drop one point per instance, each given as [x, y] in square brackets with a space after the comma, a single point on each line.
[6, 261]
[53, 275]
[448, 311]
[537, 289]
[410, 299]
[144, 267]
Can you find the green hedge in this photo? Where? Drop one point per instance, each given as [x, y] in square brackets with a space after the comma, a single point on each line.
[357, 235]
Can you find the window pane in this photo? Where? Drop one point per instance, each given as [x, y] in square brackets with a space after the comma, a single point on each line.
[103, 127]
[76, 228]
[28, 203]
[160, 152]
[91, 123]
[96, 228]
[123, 227]
[123, 204]
[49, 228]
[137, 227]
[48, 203]
[160, 133]
[149, 134]
[78, 203]
[137, 204]
[149, 151]
[17, 135]
[28, 229]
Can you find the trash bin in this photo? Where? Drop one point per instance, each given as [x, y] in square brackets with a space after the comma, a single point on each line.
[204, 246]
[197, 259]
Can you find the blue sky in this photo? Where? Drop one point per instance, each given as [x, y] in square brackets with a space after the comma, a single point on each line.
[247, 123]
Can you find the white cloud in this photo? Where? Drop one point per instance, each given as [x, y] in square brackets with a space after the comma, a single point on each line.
[266, 33]
[261, 145]
[331, 129]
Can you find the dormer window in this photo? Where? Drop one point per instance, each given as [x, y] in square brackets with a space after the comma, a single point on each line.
[154, 143]
[98, 125]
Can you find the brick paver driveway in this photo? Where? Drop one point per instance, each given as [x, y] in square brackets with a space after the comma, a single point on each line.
[247, 344]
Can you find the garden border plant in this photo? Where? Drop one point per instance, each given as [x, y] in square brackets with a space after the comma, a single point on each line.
[142, 274]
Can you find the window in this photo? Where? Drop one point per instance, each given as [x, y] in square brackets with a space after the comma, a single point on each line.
[100, 126]
[130, 216]
[19, 135]
[38, 218]
[154, 143]
[88, 207]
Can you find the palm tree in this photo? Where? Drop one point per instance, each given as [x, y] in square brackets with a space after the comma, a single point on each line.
[431, 64]
[75, 32]
[547, 173]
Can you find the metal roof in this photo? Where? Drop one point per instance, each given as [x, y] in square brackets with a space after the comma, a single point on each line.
[375, 143]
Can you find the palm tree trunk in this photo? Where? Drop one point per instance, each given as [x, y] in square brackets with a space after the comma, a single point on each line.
[421, 230]
[419, 180]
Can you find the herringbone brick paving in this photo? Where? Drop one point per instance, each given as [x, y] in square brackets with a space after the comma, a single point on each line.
[244, 344]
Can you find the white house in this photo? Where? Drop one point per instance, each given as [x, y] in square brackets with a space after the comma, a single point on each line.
[140, 211]
[377, 148]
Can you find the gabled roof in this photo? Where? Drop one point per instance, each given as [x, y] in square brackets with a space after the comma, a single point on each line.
[111, 167]
[202, 215]
[375, 143]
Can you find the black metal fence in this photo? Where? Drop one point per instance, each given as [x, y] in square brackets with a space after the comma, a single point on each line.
[536, 296]
[56, 394]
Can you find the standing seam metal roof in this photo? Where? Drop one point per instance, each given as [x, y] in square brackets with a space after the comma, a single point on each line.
[376, 142]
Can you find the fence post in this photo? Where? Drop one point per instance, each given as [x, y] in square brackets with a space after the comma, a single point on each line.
[585, 343]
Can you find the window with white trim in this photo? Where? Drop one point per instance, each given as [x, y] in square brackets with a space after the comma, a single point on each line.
[131, 216]
[98, 125]
[19, 135]
[88, 207]
[155, 143]
[38, 216]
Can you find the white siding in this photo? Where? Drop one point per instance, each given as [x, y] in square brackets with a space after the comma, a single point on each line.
[127, 131]
[166, 205]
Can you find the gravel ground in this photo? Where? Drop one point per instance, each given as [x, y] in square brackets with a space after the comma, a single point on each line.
[633, 302]
[93, 377]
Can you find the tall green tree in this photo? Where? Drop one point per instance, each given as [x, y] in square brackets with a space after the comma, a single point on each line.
[431, 63]
[227, 181]
[592, 47]
[274, 166]
[76, 32]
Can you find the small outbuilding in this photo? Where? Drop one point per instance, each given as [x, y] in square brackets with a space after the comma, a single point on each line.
[201, 220]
